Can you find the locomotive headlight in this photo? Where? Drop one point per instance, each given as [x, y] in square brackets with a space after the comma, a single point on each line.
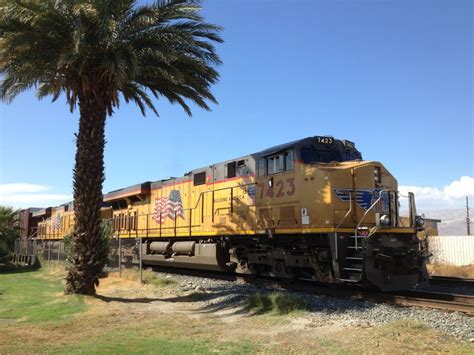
[419, 222]
[384, 220]
[378, 174]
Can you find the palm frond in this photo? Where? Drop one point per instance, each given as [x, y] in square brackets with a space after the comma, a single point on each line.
[109, 48]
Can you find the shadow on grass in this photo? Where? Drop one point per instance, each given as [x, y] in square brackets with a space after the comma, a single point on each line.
[193, 297]
[253, 298]
[256, 301]
[126, 300]
[9, 268]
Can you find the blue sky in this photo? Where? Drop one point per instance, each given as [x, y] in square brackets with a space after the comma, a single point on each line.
[396, 77]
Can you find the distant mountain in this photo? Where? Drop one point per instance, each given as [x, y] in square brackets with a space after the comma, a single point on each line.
[453, 222]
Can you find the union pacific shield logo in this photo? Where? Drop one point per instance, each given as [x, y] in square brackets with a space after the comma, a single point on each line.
[365, 198]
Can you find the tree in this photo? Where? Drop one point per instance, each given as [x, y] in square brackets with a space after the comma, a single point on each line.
[97, 54]
[9, 229]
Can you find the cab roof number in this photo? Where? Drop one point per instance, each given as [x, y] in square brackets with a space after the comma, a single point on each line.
[324, 140]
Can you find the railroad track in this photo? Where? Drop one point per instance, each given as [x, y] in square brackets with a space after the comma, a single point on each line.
[452, 281]
[424, 299]
[413, 298]
[438, 300]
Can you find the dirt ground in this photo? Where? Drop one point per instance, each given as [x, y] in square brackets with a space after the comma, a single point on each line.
[451, 270]
[123, 308]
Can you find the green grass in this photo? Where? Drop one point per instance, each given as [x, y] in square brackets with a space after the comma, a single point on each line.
[150, 278]
[33, 300]
[150, 341]
[46, 321]
[275, 302]
[32, 296]
[160, 337]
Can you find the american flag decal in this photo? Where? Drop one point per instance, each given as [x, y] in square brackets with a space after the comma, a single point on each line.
[168, 207]
[56, 223]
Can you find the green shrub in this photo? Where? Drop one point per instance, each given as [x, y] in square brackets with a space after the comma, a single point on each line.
[150, 278]
[9, 230]
[275, 302]
[104, 246]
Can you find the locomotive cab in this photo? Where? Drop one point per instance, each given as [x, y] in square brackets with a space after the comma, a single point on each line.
[358, 203]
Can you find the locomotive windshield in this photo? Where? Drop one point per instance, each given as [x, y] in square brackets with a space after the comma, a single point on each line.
[352, 154]
[311, 150]
[325, 154]
[312, 155]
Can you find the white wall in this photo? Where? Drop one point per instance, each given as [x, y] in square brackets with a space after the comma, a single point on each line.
[455, 250]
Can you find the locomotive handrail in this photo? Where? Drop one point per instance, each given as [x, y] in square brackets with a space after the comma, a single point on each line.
[366, 212]
[340, 223]
[49, 232]
[221, 189]
[411, 207]
[34, 232]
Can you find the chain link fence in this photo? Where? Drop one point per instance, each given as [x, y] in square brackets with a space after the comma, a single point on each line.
[30, 252]
[128, 249]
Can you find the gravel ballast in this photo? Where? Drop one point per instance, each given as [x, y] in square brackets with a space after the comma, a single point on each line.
[216, 294]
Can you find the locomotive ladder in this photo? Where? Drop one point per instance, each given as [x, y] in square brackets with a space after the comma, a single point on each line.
[353, 260]
[353, 264]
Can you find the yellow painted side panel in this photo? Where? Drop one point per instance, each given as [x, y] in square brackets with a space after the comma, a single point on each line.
[301, 201]
[296, 202]
[61, 223]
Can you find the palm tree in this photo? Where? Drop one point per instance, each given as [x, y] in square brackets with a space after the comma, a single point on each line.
[99, 53]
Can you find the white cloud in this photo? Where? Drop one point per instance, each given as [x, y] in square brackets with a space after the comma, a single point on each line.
[39, 200]
[22, 195]
[21, 188]
[461, 188]
[450, 196]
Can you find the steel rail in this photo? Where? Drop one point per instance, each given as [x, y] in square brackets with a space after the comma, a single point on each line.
[452, 281]
[425, 299]
[438, 300]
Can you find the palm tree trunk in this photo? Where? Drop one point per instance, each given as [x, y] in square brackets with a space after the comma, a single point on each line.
[88, 177]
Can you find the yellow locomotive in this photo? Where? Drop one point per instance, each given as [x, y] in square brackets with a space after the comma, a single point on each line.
[54, 223]
[310, 208]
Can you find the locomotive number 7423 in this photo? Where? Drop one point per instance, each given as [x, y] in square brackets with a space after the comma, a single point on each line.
[282, 188]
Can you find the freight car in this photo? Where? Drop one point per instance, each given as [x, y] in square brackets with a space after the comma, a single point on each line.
[311, 208]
